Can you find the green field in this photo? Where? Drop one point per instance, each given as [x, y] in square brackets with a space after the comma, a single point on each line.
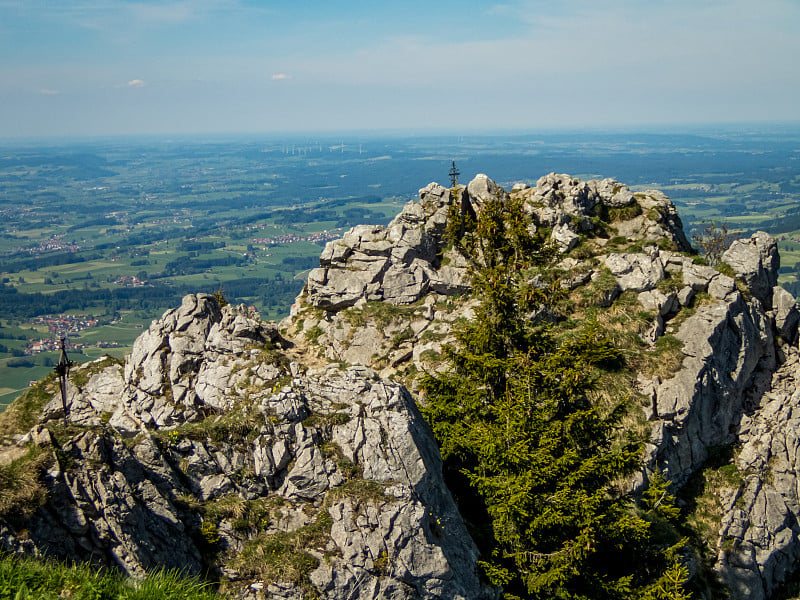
[191, 216]
[226, 258]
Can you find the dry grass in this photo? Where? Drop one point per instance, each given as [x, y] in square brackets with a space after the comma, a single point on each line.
[700, 496]
[243, 515]
[380, 313]
[360, 492]
[623, 324]
[614, 388]
[24, 412]
[283, 556]
[596, 293]
[664, 360]
[239, 424]
[21, 490]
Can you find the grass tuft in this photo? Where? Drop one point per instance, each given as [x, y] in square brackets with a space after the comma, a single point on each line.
[284, 556]
[23, 413]
[29, 579]
[21, 491]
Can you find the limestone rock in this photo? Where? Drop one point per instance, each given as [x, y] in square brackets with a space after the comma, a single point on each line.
[482, 190]
[757, 262]
[728, 348]
[329, 445]
[698, 277]
[638, 272]
[686, 295]
[403, 262]
[721, 286]
[398, 264]
[564, 237]
[116, 508]
[557, 197]
[614, 194]
[761, 524]
[787, 314]
[659, 302]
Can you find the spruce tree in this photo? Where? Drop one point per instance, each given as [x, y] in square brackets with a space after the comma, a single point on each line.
[530, 458]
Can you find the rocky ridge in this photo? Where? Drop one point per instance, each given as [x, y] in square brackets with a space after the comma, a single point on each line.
[235, 440]
[211, 449]
[735, 328]
[350, 307]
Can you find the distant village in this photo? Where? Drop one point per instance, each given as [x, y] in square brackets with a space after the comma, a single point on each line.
[51, 345]
[62, 326]
[322, 236]
[54, 244]
[130, 281]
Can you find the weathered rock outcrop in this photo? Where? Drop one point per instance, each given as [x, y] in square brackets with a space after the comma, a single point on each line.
[404, 261]
[756, 262]
[729, 354]
[409, 267]
[398, 264]
[209, 412]
[759, 539]
[224, 440]
[726, 329]
[113, 505]
[560, 200]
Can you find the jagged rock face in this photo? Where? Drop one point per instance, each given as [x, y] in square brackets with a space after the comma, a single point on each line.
[407, 265]
[405, 261]
[190, 360]
[220, 437]
[786, 314]
[730, 356]
[559, 200]
[729, 352]
[757, 262]
[397, 264]
[728, 344]
[635, 271]
[734, 388]
[340, 448]
[114, 506]
[189, 354]
[760, 533]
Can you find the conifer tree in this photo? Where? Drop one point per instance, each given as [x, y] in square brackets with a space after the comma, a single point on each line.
[522, 441]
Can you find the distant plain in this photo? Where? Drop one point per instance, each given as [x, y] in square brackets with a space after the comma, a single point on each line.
[120, 229]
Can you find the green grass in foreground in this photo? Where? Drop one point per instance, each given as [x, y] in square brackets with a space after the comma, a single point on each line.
[27, 579]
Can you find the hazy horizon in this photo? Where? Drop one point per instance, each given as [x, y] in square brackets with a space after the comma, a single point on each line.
[779, 128]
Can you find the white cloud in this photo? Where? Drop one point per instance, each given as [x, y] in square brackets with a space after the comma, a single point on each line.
[48, 92]
[281, 77]
[136, 83]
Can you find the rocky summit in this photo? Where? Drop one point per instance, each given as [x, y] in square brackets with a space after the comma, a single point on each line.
[290, 460]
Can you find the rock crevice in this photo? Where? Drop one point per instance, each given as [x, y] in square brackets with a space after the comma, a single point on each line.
[222, 435]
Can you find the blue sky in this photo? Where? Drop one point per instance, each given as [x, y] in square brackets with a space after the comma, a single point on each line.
[104, 67]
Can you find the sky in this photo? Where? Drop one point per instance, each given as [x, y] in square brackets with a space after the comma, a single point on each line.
[110, 67]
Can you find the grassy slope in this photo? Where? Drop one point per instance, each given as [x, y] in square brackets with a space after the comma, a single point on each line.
[28, 579]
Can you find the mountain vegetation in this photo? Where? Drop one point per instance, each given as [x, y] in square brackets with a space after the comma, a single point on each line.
[533, 460]
[81, 219]
[540, 393]
[30, 579]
